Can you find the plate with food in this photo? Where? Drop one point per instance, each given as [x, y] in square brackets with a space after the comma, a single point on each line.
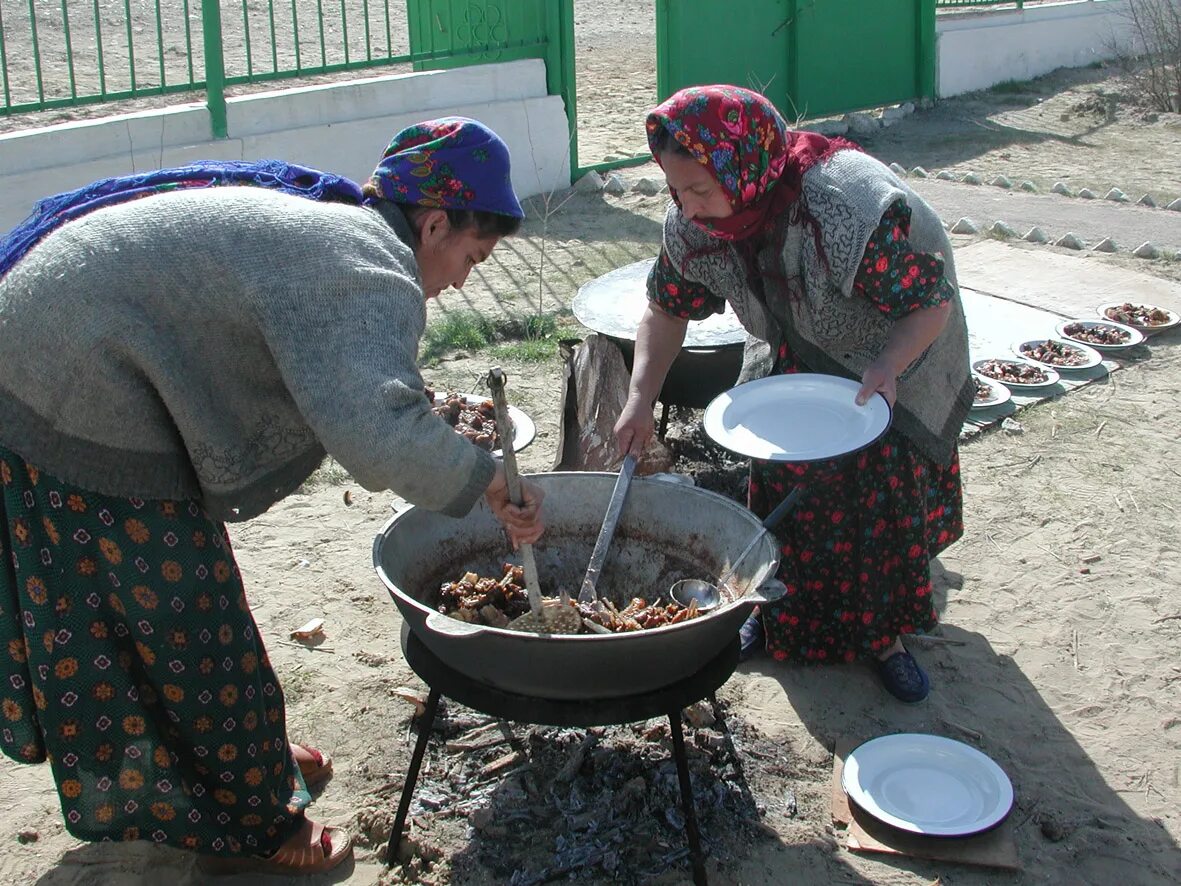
[1146, 318]
[1058, 354]
[474, 417]
[989, 392]
[1103, 335]
[1017, 374]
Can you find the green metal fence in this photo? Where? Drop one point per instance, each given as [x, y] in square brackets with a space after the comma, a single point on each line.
[64, 53]
[810, 58]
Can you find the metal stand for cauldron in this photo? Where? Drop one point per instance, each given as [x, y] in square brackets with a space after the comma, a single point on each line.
[667, 701]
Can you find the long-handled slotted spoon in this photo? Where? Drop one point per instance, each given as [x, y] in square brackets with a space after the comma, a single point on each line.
[544, 616]
[588, 593]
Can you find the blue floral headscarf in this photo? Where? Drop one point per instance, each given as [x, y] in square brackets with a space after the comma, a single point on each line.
[448, 163]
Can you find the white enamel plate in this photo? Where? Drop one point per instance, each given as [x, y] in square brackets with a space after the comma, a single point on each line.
[524, 430]
[1087, 355]
[997, 392]
[1080, 330]
[926, 784]
[797, 417]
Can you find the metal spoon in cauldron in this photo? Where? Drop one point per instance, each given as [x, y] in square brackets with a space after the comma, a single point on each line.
[544, 616]
[708, 595]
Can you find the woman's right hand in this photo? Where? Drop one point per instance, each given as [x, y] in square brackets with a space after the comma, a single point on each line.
[635, 426]
[524, 522]
[658, 341]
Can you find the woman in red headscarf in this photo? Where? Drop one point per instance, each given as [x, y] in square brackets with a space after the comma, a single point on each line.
[833, 265]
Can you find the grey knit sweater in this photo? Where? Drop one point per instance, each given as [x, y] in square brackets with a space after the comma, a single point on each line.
[213, 344]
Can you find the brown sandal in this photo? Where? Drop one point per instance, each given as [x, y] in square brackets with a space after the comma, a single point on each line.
[318, 770]
[328, 848]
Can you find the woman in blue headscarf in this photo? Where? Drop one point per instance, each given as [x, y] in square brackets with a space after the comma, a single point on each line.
[181, 348]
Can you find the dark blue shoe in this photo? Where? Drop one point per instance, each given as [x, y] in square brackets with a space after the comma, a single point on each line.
[903, 678]
[751, 637]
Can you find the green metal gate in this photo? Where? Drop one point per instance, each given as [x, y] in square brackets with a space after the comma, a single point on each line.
[454, 33]
[810, 57]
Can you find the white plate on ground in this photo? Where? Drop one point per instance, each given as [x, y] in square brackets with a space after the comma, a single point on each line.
[927, 784]
[998, 392]
[524, 430]
[1134, 336]
[1173, 320]
[1052, 376]
[797, 417]
[1091, 357]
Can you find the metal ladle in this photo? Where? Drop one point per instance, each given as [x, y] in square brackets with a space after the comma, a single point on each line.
[708, 595]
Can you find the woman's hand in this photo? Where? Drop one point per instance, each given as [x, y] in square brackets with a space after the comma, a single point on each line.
[635, 426]
[908, 339]
[524, 523]
[658, 342]
[879, 377]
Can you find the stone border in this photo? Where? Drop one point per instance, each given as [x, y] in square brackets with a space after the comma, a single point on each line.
[1004, 231]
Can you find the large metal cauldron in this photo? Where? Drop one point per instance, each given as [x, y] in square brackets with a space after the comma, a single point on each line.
[710, 359]
[667, 531]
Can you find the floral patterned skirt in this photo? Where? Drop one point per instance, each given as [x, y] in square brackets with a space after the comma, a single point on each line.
[131, 661]
[857, 549]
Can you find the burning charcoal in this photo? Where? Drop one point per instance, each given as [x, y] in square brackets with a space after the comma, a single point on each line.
[574, 763]
[708, 740]
[700, 714]
[675, 817]
[790, 807]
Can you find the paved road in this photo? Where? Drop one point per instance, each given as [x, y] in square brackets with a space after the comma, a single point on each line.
[1128, 225]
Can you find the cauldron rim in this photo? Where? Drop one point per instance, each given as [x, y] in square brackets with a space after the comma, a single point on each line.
[739, 601]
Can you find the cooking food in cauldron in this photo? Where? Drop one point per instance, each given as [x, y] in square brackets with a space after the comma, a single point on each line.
[475, 421]
[639, 615]
[1096, 333]
[1138, 315]
[1012, 371]
[486, 601]
[1055, 353]
[496, 602]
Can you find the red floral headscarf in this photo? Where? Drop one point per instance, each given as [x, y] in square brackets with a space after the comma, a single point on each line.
[744, 141]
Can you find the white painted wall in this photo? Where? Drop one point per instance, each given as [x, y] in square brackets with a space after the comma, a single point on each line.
[342, 128]
[976, 50]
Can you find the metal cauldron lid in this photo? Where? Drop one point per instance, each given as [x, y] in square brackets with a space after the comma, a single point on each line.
[614, 303]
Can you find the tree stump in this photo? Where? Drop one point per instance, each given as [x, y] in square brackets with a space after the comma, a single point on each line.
[594, 392]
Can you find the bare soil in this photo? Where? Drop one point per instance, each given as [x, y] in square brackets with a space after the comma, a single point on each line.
[1061, 616]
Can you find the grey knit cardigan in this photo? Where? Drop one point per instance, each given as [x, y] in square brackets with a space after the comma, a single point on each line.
[214, 344]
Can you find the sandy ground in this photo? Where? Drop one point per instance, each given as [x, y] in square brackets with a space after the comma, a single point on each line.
[1061, 639]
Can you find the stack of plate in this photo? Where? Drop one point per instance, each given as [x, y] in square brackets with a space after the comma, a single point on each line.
[928, 785]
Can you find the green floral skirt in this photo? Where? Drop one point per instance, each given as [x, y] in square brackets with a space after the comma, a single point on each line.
[130, 660]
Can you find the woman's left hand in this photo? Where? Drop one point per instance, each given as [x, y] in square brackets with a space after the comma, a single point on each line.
[879, 377]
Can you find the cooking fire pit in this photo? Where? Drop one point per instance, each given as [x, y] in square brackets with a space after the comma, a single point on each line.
[668, 701]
